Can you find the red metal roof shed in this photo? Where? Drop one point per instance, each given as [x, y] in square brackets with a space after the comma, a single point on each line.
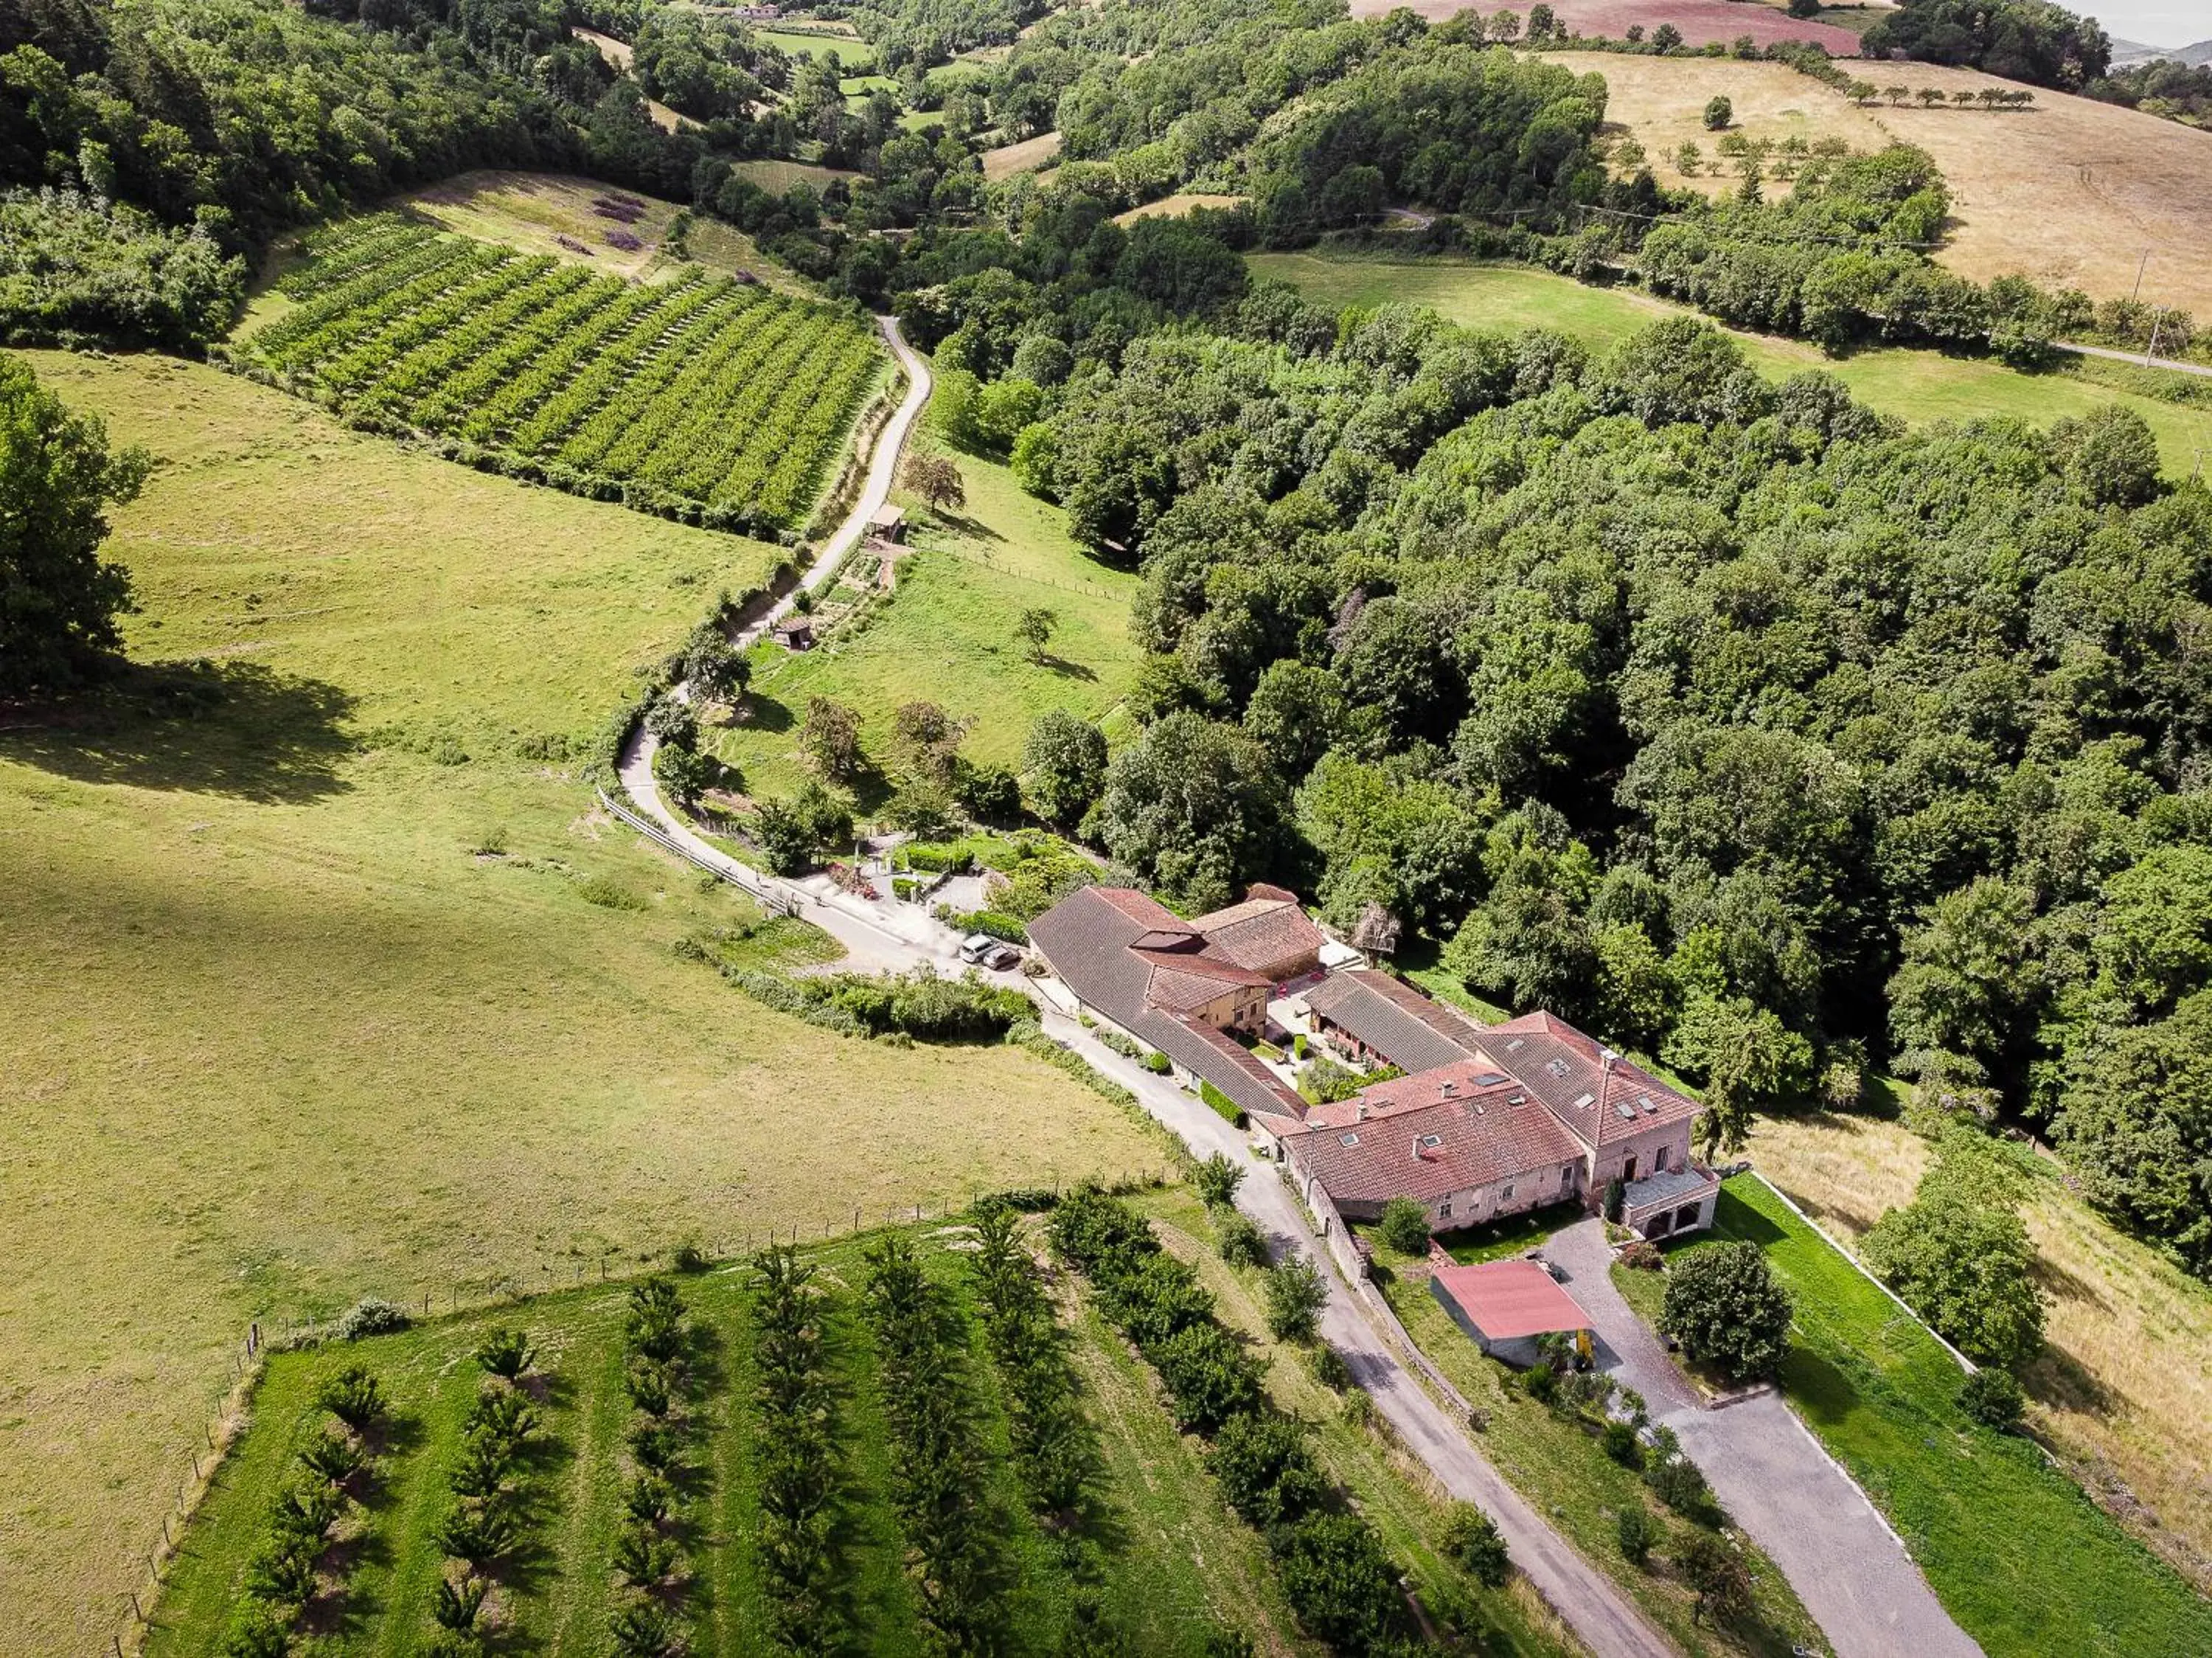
[1510, 1300]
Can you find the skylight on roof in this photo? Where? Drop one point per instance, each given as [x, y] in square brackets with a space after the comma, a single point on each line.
[1627, 1111]
[1488, 1079]
[1430, 1141]
[1582, 1100]
[1558, 1067]
[1644, 1101]
[1347, 1139]
[1515, 1043]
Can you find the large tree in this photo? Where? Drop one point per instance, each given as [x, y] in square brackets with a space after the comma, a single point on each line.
[1193, 808]
[59, 599]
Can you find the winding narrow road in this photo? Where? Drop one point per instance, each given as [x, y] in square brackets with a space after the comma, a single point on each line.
[900, 936]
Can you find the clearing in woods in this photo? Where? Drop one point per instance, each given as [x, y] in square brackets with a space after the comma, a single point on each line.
[2123, 1391]
[555, 213]
[1914, 386]
[1010, 159]
[281, 1027]
[946, 634]
[1184, 201]
[2070, 192]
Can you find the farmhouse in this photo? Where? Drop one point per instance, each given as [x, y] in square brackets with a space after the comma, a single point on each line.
[1181, 987]
[1487, 1121]
[1506, 1306]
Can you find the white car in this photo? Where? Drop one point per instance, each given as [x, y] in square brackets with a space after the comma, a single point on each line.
[982, 950]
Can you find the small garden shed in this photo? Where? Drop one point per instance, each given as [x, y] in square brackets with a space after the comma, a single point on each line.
[1504, 1305]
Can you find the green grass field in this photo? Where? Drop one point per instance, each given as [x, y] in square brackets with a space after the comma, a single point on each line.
[845, 48]
[1984, 1514]
[1915, 385]
[1177, 1558]
[277, 1034]
[1558, 1466]
[946, 634]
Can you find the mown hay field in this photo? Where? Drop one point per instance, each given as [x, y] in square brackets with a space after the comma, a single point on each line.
[1914, 386]
[2070, 192]
[280, 1027]
[699, 389]
[2123, 1391]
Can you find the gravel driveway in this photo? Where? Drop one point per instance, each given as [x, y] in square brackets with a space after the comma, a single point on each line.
[1773, 1476]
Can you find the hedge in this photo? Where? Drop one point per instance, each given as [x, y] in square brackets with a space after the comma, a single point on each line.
[1223, 1107]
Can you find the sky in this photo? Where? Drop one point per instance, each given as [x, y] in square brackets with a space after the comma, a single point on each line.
[2153, 23]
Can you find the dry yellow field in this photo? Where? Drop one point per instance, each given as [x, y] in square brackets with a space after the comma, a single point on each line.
[1169, 207]
[2123, 1391]
[2070, 192]
[1029, 153]
[533, 212]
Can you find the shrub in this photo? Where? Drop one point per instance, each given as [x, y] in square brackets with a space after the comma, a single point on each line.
[370, 1317]
[1240, 1242]
[1208, 1376]
[1267, 1471]
[1224, 1108]
[1216, 1180]
[1725, 1307]
[1295, 1295]
[689, 1258]
[1620, 1444]
[1719, 1574]
[1340, 1583]
[476, 1534]
[1719, 114]
[506, 1353]
[1993, 1398]
[333, 1457]
[1636, 1530]
[1328, 1367]
[457, 1604]
[354, 1397]
[1643, 1256]
[1541, 1383]
[1404, 1226]
[1471, 1538]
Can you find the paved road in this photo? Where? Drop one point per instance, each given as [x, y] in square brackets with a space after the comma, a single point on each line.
[902, 935]
[2136, 357]
[1815, 1523]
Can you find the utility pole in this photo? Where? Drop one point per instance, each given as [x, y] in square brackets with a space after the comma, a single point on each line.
[2140, 268]
[2157, 321]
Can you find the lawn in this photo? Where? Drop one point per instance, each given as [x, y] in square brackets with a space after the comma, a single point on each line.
[1915, 385]
[2123, 1390]
[1558, 1466]
[1175, 1558]
[946, 634]
[1984, 1514]
[281, 1030]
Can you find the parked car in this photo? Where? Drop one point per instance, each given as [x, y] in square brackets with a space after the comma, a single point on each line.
[982, 950]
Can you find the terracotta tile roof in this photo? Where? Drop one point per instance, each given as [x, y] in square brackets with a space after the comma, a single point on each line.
[1267, 935]
[1602, 1100]
[1508, 1299]
[1478, 1141]
[1221, 1060]
[1406, 1028]
[1184, 984]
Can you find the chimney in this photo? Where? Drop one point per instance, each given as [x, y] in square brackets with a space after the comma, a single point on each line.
[1359, 1111]
[1449, 1087]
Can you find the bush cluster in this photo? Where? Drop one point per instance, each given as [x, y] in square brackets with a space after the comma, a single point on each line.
[485, 1523]
[1054, 1446]
[1339, 1580]
[923, 1004]
[282, 1574]
[648, 1555]
[796, 1408]
[940, 1470]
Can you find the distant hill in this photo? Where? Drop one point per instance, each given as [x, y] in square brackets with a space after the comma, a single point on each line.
[2128, 52]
